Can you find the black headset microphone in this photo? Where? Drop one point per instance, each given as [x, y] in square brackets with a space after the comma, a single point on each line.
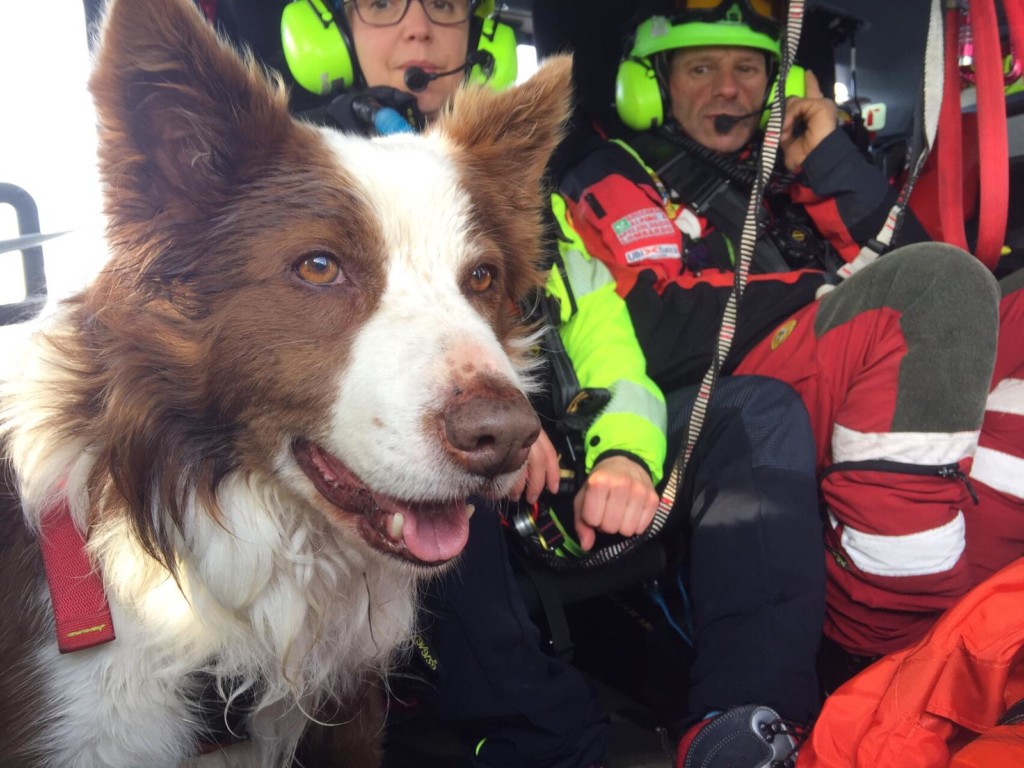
[725, 123]
[417, 79]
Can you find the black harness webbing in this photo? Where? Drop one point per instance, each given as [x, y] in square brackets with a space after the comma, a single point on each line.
[222, 719]
[719, 190]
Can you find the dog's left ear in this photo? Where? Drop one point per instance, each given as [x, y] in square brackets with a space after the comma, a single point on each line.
[510, 135]
[180, 111]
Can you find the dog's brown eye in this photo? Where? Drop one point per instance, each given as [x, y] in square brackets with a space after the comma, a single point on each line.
[481, 278]
[320, 268]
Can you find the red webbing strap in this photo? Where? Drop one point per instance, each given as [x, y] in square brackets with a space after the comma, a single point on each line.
[80, 607]
[209, 8]
[949, 169]
[993, 147]
[1014, 10]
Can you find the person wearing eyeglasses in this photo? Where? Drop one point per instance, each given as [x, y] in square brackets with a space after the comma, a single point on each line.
[431, 38]
[385, 66]
[403, 56]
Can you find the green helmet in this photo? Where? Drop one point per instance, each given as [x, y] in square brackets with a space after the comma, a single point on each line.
[686, 29]
[639, 97]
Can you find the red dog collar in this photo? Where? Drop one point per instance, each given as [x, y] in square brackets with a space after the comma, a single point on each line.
[80, 607]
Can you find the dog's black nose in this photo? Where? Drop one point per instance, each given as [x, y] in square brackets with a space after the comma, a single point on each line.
[490, 429]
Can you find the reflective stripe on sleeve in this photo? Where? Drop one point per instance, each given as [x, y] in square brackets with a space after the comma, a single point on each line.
[926, 448]
[998, 470]
[914, 554]
[586, 275]
[1007, 397]
[630, 397]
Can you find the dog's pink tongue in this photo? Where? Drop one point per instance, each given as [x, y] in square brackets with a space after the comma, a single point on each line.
[436, 533]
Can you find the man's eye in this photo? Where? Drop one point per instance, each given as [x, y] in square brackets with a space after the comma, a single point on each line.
[481, 278]
[319, 268]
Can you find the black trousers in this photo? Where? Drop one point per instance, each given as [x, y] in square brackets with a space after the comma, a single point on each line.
[751, 553]
[490, 678]
[748, 536]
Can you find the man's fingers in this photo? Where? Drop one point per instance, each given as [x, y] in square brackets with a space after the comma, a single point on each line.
[584, 532]
[552, 471]
[535, 474]
[649, 510]
[520, 486]
[548, 466]
[796, 109]
[601, 508]
[812, 88]
[640, 508]
[623, 510]
[542, 470]
[586, 536]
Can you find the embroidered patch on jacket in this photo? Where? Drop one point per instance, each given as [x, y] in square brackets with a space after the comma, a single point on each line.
[782, 333]
[647, 222]
[648, 252]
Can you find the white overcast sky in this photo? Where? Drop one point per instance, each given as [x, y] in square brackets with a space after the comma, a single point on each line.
[47, 138]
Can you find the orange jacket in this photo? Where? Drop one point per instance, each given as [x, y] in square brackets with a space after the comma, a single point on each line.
[926, 706]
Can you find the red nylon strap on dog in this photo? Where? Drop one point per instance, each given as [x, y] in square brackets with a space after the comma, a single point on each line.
[80, 607]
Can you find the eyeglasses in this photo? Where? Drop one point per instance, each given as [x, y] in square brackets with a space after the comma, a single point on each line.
[385, 13]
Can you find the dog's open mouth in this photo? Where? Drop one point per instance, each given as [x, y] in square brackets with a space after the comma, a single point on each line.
[428, 533]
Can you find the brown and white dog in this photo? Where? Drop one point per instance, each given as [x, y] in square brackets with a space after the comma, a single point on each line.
[266, 413]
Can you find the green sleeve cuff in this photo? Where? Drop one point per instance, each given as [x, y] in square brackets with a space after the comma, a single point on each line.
[627, 433]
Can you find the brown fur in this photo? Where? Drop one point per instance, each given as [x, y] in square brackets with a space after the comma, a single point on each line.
[355, 731]
[21, 574]
[241, 139]
[503, 175]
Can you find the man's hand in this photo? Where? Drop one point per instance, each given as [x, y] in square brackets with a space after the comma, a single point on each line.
[808, 121]
[618, 497]
[541, 471]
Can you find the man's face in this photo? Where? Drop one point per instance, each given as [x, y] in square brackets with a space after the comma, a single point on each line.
[717, 80]
[385, 53]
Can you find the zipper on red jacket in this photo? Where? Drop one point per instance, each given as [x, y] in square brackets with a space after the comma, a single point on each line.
[946, 471]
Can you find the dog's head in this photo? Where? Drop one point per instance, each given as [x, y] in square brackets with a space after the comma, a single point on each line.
[330, 311]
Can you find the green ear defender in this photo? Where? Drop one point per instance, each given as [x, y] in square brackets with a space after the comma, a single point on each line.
[638, 94]
[316, 49]
[796, 85]
[497, 48]
[319, 52]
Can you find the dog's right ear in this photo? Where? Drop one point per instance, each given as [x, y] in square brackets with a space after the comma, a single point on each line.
[505, 140]
[510, 135]
[180, 112]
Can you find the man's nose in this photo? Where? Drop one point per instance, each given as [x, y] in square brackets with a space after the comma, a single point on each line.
[726, 84]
